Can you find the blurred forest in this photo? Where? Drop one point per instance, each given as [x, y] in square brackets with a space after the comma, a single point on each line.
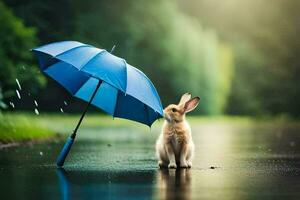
[240, 56]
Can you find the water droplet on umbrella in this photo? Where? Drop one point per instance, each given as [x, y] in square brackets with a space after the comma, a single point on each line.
[36, 104]
[12, 104]
[65, 103]
[18, 94]
[61, 110]
[36, 111]
[18, 83]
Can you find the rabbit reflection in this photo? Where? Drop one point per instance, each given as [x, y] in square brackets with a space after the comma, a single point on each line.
[174, 184]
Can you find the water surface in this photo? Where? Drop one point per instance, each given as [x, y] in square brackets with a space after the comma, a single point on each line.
[249, 162]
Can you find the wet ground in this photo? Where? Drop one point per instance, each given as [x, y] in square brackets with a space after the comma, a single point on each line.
[232, 161]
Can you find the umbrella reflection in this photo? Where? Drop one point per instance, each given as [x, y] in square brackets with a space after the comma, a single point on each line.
[105, 184]
[174, 184]
[63, 183]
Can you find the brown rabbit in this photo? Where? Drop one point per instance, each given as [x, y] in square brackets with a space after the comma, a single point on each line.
[175, 145]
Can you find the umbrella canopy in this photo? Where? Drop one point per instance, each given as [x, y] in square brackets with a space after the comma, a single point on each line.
[122, 90]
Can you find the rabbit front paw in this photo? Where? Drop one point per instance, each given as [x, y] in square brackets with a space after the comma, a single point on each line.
[172, 165]
[189, 164]
[162, 164]
[183, 164]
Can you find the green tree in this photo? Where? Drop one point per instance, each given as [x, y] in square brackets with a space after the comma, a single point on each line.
[266, 44]
[170, 47]
[15, 58]
[173, 49]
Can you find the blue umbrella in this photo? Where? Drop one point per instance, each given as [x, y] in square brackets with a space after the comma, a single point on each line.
[101, 79]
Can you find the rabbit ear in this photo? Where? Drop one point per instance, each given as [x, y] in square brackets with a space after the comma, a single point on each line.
[184, 98]
[191, 104]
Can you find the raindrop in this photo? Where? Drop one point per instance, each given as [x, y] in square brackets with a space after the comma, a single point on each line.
[36, 104]
[18, 83]
[36, 111]
[12, 104]
[41, 153]
[29, 94]
[65, 103]
[61, 110]
[23, 67]
[18, 94]
[113, 48]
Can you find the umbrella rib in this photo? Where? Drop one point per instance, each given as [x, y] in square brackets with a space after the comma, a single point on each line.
[82, 85]
[126, 75]
[103, 50]
[84, 45]
[71, 92]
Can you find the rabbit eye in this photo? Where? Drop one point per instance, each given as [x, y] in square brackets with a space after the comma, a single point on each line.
[174, 110]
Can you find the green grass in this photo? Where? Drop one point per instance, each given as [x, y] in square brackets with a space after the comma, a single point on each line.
[20, 126]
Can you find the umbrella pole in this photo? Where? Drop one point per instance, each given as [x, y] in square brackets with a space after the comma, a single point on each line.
[67, 147]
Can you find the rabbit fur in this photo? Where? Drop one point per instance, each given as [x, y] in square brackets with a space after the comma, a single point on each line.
[174, 146]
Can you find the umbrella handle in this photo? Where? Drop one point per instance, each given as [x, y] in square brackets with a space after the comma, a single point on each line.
[64, 152]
